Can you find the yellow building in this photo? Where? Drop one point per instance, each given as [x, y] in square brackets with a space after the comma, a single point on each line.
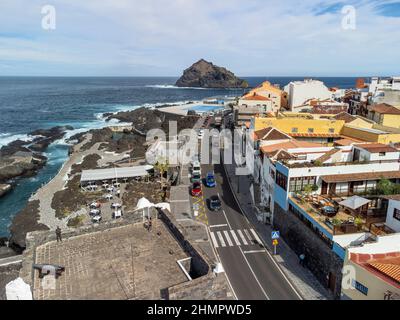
[327, 130]
[370, 134]
[369, 276]
[385, 115]
[303, 127]
[266, 89]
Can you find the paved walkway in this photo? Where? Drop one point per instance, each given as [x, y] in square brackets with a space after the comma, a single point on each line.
[304, 281]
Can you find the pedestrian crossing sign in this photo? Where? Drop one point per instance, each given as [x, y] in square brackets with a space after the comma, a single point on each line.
[275, 242]
[275, 235]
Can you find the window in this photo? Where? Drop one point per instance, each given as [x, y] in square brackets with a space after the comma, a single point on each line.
[331, 130]
[281, 180]
[310, 130]
[295, 130]
[363, 289]
[298, 184]
[382, 154]
[396, 214]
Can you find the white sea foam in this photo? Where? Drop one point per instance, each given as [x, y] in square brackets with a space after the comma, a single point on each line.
[6, 138]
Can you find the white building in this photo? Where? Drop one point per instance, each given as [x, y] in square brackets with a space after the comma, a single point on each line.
[393, 213]
[379, 84]
[372, 271]
[301, 91]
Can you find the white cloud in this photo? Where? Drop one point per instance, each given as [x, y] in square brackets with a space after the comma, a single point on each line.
[161, 37]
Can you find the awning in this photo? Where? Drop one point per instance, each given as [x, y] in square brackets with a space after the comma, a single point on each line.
[115, 173]
[354, 202]
[366, 176]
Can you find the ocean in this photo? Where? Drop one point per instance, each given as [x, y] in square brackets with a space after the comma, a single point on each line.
[30, 103]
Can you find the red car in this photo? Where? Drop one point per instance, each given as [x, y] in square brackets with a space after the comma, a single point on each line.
[196, 189]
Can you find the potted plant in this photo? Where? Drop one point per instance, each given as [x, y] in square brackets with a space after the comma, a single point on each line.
[358, 222]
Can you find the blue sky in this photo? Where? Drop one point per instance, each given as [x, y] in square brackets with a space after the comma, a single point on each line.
[163, 37]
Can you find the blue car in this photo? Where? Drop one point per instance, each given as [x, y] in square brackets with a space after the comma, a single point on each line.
[210, 180]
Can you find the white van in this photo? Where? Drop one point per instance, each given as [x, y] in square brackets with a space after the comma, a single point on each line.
[196, 168]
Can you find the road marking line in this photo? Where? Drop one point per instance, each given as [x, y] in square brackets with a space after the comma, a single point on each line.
[255, 251]
[221, 239]
[254, 275]
[226, 218]
[235, 238]
[256, 236]
[214, 240]
[248, 235]
[230, 243]
[219, 226]
[242, 237]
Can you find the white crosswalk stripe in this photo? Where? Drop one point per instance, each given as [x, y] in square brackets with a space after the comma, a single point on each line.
[235, 238]
[242, 237]
[256, 236]
[221, 239]
[230, 243]
[232, 238]
[214, 240]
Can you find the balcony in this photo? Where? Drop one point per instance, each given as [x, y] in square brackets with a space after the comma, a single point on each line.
[337, 220]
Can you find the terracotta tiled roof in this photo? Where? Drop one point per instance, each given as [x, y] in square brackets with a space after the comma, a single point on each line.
[271, 133]
[347, 142]
[365, 176]
[328, 155]
[280, 155]
[256, 97]
[384, 265]
[293, 144]
[376, 147]
[346, 117]
[385, 108]
[388, 269]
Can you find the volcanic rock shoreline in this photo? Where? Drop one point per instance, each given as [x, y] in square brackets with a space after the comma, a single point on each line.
[24, 158]
[142, 120]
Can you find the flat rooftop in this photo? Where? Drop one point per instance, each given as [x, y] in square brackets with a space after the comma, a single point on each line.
[116, 264]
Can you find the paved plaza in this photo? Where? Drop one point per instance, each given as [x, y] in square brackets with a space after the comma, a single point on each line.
[120, 263]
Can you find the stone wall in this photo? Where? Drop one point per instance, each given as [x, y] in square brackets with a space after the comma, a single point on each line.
[320, 259]
[200, 266]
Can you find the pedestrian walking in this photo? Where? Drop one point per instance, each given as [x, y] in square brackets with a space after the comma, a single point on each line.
[302, 258]
[58, 234]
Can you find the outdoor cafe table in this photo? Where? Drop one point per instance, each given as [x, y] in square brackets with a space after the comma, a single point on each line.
[108, 196]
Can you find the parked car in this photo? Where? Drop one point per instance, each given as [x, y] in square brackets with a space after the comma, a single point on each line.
[196, 178]
[196, 168]
[117, 214]
[215, 203]
[97, 219]
[196, 189]
[210, 180]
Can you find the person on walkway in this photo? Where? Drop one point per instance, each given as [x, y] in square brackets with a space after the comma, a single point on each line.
[302, 258]
[58, 234]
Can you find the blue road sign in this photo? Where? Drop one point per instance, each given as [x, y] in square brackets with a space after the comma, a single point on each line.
[275, 235]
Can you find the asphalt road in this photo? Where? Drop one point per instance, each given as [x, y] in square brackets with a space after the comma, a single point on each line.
[251, 270]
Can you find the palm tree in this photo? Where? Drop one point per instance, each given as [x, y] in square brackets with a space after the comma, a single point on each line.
[162, 166]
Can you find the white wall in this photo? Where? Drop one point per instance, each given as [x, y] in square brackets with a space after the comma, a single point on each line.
[390, 220]
[301, 91]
